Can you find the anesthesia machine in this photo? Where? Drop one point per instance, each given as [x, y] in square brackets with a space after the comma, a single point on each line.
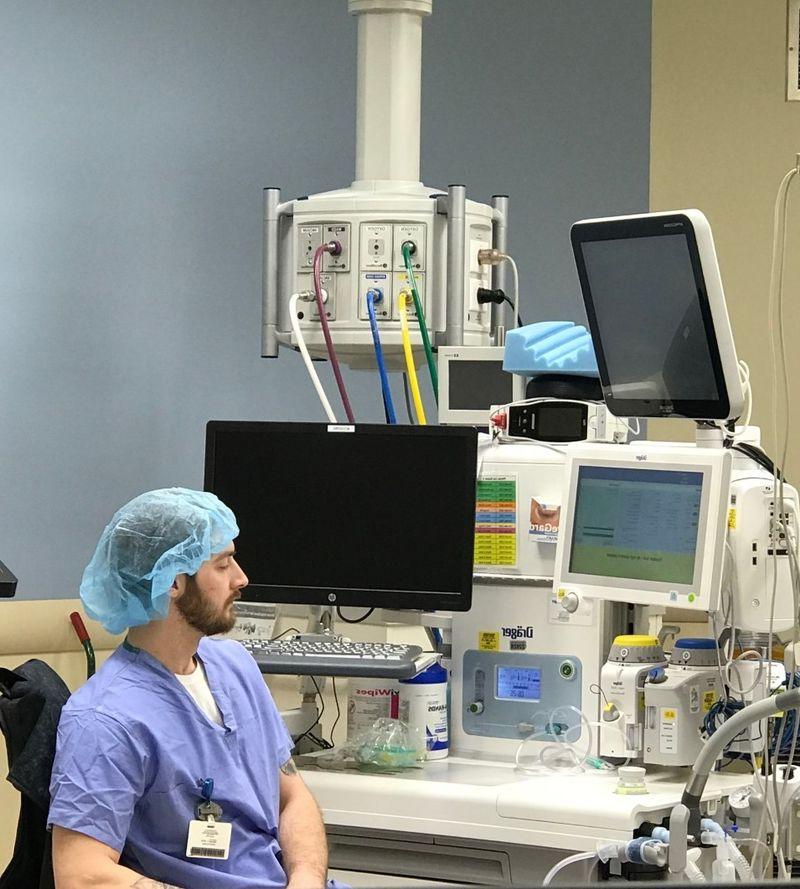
[561, 661]
[577, 547]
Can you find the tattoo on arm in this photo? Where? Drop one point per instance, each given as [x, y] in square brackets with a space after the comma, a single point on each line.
[145, 883]
[289, 768]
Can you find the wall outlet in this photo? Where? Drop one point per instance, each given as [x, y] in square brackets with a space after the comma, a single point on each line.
[337, 231]
[309, 237]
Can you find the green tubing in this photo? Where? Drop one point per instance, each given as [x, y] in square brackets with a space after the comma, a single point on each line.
[90, 660]
[423, 327]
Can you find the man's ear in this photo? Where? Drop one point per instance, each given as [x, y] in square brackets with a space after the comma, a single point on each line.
[178, 587]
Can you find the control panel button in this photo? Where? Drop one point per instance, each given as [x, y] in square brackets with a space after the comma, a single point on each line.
[566, 670]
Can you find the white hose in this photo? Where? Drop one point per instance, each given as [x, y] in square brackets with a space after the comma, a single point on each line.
[693, 873]
[565, 862]
[742, 865]
[510, 261]
[301, 343]
[761, 668]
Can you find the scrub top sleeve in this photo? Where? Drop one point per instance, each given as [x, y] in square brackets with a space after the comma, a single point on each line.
[279, 739]
[99, 774]
[284, 741]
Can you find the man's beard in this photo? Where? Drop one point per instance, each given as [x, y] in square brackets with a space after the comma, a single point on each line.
[200, 614]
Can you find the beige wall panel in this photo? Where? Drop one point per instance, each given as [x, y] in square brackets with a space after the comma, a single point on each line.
[722, 137]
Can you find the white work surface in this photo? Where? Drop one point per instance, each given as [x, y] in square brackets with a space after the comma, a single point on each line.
[490, 801]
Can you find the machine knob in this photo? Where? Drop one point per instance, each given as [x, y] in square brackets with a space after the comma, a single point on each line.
[570, 603]
[657, 675]
[476, 707]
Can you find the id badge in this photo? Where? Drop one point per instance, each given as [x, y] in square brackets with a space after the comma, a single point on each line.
[209, 839]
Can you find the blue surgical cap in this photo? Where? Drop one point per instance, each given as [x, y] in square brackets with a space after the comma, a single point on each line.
[148, 543]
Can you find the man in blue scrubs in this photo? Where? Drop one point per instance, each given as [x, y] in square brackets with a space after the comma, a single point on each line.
[173, 767]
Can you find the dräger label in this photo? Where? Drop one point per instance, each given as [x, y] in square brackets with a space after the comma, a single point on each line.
[518, 632]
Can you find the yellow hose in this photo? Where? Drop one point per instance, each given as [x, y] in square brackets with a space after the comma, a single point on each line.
[412, 371]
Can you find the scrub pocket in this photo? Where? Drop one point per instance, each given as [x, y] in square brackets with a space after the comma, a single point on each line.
[162, 820]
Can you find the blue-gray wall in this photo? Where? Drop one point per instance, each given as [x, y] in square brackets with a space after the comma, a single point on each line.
[136, 138]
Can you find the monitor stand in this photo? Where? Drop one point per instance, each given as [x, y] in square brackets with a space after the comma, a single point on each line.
[320, 622]
[711, 435]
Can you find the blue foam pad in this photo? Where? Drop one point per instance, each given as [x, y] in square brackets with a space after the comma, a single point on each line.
[550, 347]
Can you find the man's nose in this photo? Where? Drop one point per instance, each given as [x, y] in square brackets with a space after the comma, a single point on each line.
[240, 580]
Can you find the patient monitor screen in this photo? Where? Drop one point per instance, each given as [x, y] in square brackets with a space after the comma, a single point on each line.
[655, 340]
[641, 524]
[476, 385]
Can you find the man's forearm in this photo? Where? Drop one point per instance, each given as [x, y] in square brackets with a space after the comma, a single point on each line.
[82, 862]
[303, 842]
[113, 876]
[100, 875]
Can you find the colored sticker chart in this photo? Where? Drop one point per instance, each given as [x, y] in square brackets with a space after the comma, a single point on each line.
[496, 521]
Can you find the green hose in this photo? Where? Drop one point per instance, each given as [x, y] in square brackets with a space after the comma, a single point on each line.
[423, 327]
[90, 660]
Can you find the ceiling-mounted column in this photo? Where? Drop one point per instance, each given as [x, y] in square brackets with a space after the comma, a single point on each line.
[389, 88]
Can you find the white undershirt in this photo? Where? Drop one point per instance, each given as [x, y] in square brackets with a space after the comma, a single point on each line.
[196, 684]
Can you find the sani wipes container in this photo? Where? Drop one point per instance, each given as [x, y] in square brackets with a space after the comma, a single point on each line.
[369, 700]
[423, 705]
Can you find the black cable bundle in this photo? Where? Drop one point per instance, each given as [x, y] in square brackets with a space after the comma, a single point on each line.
[758, 456]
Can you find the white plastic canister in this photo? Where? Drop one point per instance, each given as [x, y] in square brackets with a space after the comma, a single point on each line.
[423, 705]
[368, 700]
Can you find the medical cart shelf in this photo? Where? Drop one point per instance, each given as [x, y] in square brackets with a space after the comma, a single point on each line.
[492, 806]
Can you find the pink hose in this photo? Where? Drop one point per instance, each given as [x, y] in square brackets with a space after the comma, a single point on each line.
[326, 331]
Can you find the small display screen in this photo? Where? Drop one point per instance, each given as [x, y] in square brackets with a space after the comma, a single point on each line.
[560, 421]
[477, 385]
[519, 684]
[640, 524]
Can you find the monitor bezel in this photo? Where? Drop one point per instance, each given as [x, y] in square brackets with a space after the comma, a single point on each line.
[703, 593]
[694, 226]
[425, 600]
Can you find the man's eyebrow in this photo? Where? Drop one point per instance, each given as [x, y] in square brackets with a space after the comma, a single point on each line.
[225, 554]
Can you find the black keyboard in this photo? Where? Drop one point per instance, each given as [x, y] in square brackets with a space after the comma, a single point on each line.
[336, 658]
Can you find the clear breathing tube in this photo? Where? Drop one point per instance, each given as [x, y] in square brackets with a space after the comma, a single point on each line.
[693, 873]
[640, 850]
[566, 744]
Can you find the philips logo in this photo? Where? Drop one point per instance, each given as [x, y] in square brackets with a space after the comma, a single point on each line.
[518, 632]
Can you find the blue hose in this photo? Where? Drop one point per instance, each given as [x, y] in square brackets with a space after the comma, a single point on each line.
[376, 339]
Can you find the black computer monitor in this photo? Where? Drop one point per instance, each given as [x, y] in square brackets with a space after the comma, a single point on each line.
[365, 515]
